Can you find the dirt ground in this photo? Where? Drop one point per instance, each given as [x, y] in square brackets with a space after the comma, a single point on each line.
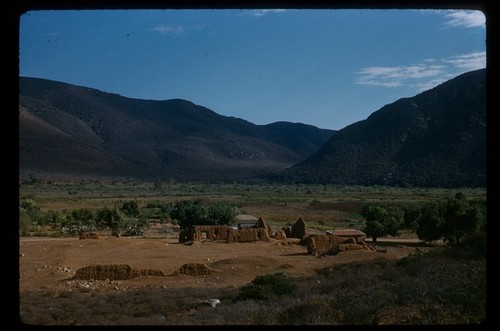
[49, 263]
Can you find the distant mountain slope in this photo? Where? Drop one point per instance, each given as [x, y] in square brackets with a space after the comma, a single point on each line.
[69, 131]
[436, 138]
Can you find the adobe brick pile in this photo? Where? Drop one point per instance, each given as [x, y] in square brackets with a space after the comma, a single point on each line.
[89, 235]
[193, 269]
[320, 245]
[113, 272]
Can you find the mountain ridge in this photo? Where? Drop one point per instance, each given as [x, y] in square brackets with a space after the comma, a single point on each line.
[436, 138]
[148, 139]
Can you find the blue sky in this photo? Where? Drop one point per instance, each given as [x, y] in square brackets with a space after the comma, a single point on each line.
[324, 67]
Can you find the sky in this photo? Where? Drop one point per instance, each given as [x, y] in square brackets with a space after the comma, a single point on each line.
[325, 67]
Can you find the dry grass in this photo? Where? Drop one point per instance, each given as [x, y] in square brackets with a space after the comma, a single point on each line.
[444, 286]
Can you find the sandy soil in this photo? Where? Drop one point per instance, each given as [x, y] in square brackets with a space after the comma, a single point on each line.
[50, 263]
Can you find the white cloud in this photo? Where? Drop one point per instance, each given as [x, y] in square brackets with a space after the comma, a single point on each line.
[422, 76]
[468, 62]
[165, 29]
[466, 19]
[397, 76]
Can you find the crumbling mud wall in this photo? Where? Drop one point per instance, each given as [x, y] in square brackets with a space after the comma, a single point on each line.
[223, 232]
[323, 245]
[193, 269]
[114, 272]
[355, 244]
[247, 234]
[331, 245]
[209, 232]
[298, 230]
[89, 235]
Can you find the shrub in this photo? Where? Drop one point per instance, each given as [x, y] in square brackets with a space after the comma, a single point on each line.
[78, 221]
[130, 208]
[135, 226]
[110, 218]
[266, 287]
[311, 312]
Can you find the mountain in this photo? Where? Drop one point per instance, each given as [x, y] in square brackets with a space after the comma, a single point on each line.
[434, 139]
[74, 132]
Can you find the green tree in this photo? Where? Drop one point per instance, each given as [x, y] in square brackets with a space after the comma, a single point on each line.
[130, 208]
[165, 209]
[110, 218]
[135, 226]
[30, 211]
[29, 205]
[188, 213]
[430, 225]
[192, 212]
[382, 221]
[78, 221]
[53, 218]
[393, 221]
[449, 219]
[411, 214]
[374, 229]
[221, 213]
[460, 219]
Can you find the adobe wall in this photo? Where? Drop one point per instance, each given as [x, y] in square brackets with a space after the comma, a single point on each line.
[209, 232]
[224, 232]
[247, 234]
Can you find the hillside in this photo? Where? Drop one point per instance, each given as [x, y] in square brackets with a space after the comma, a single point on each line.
[73, 132]
[434, 139]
